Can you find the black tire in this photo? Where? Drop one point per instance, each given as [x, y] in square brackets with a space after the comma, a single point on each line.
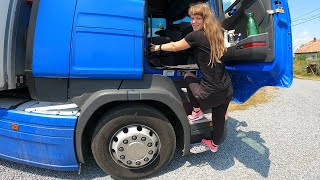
[124, 116]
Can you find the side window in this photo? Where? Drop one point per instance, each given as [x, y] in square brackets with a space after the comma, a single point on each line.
[185, 19]
[157, 24]
[227, 3]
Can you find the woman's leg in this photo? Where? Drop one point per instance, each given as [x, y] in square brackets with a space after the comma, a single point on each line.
[193, 87]
[192, 83]
[218, 120]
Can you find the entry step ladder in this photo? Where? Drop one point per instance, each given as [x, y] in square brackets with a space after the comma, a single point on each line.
[197, 148]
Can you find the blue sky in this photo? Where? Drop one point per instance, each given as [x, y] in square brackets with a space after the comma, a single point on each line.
[304, 32]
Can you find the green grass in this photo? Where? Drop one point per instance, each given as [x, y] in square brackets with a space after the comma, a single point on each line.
[262, 96]
[300, 70]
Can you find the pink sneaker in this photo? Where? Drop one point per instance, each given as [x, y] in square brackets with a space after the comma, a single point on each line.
[208, 143]
[196, 115]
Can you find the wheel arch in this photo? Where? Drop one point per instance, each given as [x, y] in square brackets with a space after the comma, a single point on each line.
[165, 99]
[83, 143]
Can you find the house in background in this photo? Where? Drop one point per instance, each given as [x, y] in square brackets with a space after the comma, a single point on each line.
[311, 50]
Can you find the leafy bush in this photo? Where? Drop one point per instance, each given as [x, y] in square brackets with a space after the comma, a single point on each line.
[300, 66]
[300, 57]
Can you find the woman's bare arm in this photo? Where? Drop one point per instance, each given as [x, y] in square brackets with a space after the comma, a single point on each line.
[172, 46]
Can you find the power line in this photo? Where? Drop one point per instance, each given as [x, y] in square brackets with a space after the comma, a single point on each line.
[294, 19]
[306, 21]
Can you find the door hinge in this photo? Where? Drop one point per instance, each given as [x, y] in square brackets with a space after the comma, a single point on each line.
[278, 10]
[20, 80]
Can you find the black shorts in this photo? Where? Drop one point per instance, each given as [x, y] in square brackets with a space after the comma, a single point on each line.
[207, 99]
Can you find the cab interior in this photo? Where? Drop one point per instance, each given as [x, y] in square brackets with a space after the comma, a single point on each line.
[168, 21]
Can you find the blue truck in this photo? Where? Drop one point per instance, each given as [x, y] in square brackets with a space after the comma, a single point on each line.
[77, 78]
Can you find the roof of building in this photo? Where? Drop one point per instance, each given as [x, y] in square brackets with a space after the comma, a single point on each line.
[311, 47]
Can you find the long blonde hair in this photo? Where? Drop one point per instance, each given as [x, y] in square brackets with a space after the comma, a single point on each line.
[212, 29]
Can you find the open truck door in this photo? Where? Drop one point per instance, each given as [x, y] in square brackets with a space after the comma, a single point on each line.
[264, 59]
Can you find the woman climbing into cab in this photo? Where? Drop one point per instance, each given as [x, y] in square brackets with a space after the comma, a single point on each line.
[214, 89]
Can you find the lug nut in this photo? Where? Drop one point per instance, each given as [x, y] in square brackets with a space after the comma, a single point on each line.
[150, 152]
[125, 141]
[149, 144]
[143, 138]
[134, 137]
[122, 157]
[146, 159]
[138, 163]
[121, 148]
[129, 162]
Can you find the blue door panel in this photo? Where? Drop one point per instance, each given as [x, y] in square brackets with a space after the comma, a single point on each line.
[52, 38]
[108, 36]
[97, 53]
[248, 78]
[120, 14]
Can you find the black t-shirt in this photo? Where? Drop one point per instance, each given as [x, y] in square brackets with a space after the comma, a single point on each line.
[215, 79]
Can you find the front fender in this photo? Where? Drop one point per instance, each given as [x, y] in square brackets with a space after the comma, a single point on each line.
[151, 87]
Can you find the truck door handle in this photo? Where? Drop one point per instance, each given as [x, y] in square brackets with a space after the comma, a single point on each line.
[278, 10]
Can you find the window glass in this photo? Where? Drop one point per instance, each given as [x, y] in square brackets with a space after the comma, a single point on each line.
[185, 19]
[157, 24]
[227, 3]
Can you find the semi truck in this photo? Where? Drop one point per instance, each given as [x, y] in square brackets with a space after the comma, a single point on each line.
[77, 78]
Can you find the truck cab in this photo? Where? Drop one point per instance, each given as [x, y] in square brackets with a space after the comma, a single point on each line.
[84, 67]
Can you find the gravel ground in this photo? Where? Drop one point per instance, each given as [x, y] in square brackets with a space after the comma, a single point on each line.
[277, 140]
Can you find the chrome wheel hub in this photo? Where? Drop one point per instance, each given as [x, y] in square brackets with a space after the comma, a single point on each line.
[134, 146]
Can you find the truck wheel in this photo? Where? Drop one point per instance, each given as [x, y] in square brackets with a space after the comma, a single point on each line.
[133, 142]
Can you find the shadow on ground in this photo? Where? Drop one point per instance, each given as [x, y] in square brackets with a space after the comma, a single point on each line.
[246, 147]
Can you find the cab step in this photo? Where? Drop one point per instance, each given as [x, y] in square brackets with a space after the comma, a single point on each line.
[206, 118]
[198, 148]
